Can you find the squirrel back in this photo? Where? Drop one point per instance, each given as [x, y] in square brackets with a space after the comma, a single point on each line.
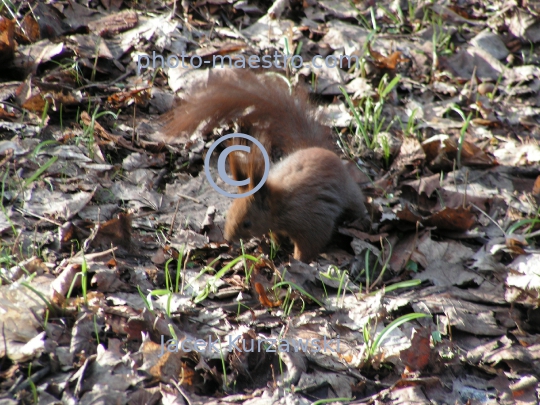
[308, 191]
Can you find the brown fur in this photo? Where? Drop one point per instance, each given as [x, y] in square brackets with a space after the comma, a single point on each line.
[307, 192]
[304, 197]
[282, 120]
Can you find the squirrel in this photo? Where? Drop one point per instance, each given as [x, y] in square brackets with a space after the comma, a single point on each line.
[308, 191]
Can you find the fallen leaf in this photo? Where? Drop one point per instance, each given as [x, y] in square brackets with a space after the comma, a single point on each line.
[386, 62]
[460, 219]
[7, 42]
[29, 29]
[263, 298]
[417, 356]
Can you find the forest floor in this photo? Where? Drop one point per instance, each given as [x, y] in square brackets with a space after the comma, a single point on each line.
[111, 240]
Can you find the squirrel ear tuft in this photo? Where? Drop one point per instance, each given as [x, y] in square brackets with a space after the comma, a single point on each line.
[247, 165]
[256, 166]
[239, 166]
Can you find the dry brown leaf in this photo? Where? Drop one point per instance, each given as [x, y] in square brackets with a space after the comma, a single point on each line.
[112, 4]
[117, 318]
[7, 116]
[426, 184]
[66, 279]
[536, 187]
[444, 274]
[116, 231]
[355, 233]
[31, 56]
[99, 130]
[165, 365]
[428, 251]
[263, 298]
[80, 68]
[402, 251]
[472, 155]
[442, 150]
[453, 219]
[7, 42]
[83, 339]
[417, 356]
[407, 215]
[29, 30]
[434, 147]
[212, 230]
[159, 257]
[462, 314]
[459, 11]
[63, 98]
[35, 103]
[410, 153]
[386, 62]
[114, 23]
[120, 100]
[446, 198]
[50, 20]
[134, 328]
[486, 122]
[108, 281]
[226, 49]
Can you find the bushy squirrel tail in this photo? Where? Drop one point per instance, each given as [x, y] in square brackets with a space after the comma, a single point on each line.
[263, 104]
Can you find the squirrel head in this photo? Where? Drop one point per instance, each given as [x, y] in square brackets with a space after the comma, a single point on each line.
[248, 216]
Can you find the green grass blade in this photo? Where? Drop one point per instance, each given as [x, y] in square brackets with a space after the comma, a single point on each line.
[393, 325]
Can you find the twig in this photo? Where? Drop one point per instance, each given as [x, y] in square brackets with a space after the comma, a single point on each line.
[181, 392]
[235, 30]
[184, 271]
[108, 84]
[38, 375]
[89, 257]
[133, 125]
[187, 197]
[173, 218]
[466, 184]
[25, 212]
[5, 345]
[491, 219]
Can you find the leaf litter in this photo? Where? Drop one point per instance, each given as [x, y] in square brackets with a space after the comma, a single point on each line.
[111, 241]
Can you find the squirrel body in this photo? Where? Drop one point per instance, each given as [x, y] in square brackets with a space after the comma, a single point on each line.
[304, 197]
[308, 191]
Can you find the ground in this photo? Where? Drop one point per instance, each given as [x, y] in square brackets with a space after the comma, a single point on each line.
[112, 256]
